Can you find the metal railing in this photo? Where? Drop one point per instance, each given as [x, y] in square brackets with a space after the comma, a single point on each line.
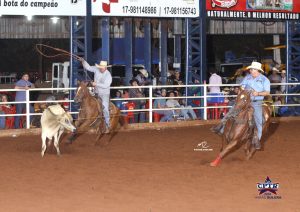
[203, 87]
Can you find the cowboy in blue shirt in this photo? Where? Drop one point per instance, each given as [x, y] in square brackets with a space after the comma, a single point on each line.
[23, 84]
[260, 85]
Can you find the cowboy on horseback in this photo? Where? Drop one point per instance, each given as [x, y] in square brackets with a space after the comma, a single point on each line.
[102, 82]
[260, 85]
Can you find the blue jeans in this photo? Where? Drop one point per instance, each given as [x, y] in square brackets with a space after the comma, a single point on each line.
[2, 120]
[105, 103]
[139, 117]
[258, 117]
[20, 108]
[187, 111]
[168, 115]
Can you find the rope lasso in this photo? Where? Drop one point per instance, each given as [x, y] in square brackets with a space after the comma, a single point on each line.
[61, 52]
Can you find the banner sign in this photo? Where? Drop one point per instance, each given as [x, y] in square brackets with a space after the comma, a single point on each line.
[43, 7]
[254, 9]
[146, 8]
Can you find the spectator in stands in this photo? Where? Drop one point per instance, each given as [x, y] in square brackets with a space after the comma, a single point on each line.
[278, 100]
[214, 79]
[50, 100]
[125, 94]
[274, 78]
[283, 80]
[139, 104]
[7, 109]
[23, 84]
[195, 91]
[176, 79]
[160, 104]
[2, 119]
[118, 103]
[173, 103]
[142, 77]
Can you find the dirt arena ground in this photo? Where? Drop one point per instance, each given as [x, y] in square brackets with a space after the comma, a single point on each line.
[149, 171]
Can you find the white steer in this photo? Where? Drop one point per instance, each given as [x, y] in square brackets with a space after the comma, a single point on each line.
[53, 121]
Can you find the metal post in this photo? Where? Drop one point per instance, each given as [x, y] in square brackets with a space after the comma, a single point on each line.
[105, 39]
[27, 110]
[128, 47]
[187, 53]
[163, 51]
[88, 32]
[177, 52]
[150, 104]
[74, 63]
[147, 44]
[205, 100]
[203, 70]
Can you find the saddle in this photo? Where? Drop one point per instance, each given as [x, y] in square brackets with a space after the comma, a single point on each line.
[100, 109]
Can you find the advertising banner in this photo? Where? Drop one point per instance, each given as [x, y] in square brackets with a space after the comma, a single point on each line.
[254, 9]
[146, 8]
[43, 7]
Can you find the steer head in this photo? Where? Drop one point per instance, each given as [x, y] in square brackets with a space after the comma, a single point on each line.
[66, 121]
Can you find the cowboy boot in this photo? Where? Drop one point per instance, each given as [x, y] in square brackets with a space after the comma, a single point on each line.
[218, 129]
[107, 129]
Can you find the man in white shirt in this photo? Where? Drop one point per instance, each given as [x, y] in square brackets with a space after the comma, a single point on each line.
[102, 82]
[214, 79]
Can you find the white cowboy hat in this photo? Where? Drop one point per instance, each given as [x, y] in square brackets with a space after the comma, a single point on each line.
[102, 64]
[144, 72]
[255, 65]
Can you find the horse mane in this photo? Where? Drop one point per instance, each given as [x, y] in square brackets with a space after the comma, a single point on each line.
[84, 85]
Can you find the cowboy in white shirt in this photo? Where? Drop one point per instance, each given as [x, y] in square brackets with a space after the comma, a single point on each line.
[102, 82]
[214, 79]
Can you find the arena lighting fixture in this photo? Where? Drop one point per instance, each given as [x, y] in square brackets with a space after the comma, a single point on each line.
[54, 20]
[29, 17]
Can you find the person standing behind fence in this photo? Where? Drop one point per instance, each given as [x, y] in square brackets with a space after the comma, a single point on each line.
[23, 84]
[214, 79]
[139, 104]
[283, 80]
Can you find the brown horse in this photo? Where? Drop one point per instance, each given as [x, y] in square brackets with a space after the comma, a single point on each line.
[91, 114]
[240, 127]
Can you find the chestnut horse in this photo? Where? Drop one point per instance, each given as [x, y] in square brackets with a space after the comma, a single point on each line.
[240, 127]
[91, 114]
